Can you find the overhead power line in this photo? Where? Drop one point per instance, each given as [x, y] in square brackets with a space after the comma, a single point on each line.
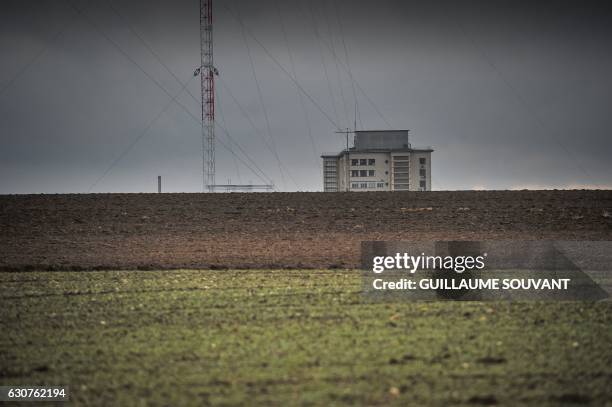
[262, 103]
[299, 94]
[363, 92]
[149, 76]
[330, 32]
[283, 69]
[139, 137]
[345, 68]
[520, 99]
[348, 64]
[159, 59]
[248, 118]
[318, 37]
[129, 58]
[296, 83]
[219, 108]
[339, 76]
[39, 54]
[149, 48]
[258, 172]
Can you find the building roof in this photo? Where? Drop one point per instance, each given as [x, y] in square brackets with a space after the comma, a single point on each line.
[381, 131]
[379, 140]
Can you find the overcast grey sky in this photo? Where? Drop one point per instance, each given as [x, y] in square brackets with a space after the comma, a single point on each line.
[509, 94]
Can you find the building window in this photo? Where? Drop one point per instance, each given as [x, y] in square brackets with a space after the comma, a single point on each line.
[423, 184]
[422, 172]
[354, 162]
[422, 160]
[370, 173]
[363, 161]
[354, 173]
[355, 185]
[363, 173]
[364, 185]
[371, 161]
[380, 185]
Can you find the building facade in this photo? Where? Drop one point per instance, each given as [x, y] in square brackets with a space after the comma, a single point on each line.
[380, 160]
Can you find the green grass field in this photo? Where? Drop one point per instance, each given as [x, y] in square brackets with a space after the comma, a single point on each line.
[264, 337]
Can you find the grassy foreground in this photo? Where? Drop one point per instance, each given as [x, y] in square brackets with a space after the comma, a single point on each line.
[190, 337]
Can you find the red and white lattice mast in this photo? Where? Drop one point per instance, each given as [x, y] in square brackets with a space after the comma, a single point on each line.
[207, 73]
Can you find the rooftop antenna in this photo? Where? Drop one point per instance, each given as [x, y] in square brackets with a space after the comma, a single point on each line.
[345, 132]
[355, 122]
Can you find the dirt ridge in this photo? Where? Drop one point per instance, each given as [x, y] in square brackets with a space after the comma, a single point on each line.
[275, 230]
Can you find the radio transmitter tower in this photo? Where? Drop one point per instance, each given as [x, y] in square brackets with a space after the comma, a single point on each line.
[207, 73]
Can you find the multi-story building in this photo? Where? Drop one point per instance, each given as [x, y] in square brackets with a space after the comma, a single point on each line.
[380, 160]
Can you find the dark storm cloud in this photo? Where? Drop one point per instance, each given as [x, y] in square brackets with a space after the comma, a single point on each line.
[509, 94]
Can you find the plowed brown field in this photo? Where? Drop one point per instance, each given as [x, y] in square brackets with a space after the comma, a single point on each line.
[272, 230]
